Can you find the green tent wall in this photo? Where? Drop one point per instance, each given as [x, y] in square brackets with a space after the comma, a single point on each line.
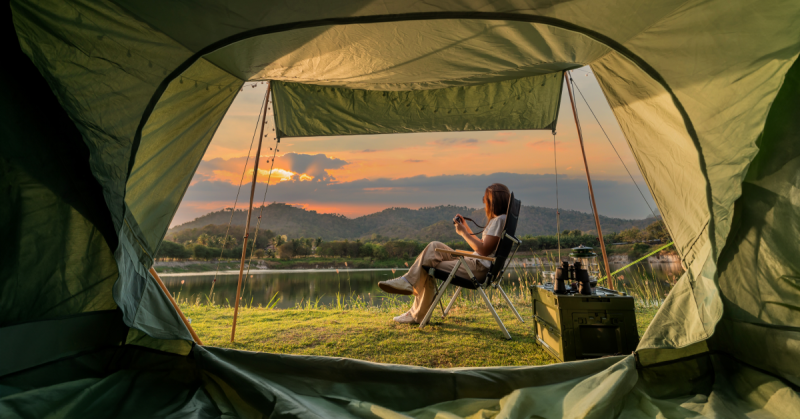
[705, 92]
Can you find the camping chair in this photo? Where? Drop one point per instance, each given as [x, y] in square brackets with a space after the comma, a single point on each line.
[499, 263]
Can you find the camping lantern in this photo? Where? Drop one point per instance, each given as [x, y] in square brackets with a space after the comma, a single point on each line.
[588, 260]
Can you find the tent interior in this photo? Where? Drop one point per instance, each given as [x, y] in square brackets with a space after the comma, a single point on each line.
[109, 107]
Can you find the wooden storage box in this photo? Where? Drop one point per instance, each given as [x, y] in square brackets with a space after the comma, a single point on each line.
[576, 326]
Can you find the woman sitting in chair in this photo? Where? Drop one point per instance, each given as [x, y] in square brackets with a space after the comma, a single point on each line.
[417, 281]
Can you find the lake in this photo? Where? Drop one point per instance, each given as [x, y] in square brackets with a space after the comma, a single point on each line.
[294, 287]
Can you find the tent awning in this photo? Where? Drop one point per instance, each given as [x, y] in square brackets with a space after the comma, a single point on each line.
[305, 110]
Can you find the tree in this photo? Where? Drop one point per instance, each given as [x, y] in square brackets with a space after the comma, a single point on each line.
[200, 251]
[657, 231]
[229, 242]
[380, 253]
[172, 250]
[286, 250]
[295, 247]
[203, 239]
[632, 234]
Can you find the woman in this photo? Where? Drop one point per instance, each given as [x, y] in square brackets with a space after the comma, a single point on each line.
[417, 281]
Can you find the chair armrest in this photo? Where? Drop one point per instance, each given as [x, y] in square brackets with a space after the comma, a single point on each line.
[465, 253]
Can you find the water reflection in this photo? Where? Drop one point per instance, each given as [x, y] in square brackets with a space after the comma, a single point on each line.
[292, 287]
[299, 287]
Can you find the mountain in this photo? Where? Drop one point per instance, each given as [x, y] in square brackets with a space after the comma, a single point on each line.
[431, 223]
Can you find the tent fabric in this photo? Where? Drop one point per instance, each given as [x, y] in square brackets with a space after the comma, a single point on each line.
[734, 115]
[705, 92]
[465, 52]
[57, 258]
[760, 288]
[217, 382]
[304, 110]
[40, 342]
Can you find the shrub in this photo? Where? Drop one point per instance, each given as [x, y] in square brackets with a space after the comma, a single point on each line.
[173, 250]
[638, 250]
[403, 248]
[202, 252]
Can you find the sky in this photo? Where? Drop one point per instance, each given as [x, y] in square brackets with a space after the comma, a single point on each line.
[359, 175]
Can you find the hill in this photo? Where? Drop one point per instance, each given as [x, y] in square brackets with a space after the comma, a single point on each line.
[431, 223]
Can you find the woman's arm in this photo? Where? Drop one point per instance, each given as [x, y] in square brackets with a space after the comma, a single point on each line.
[483, 247]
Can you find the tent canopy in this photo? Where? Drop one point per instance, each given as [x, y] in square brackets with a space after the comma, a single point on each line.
[705, 92]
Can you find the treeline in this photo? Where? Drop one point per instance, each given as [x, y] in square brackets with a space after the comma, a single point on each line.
[214, 234]
[207, 244]
[214, 241]
[172, 250]
[575, 238]
[405, 249]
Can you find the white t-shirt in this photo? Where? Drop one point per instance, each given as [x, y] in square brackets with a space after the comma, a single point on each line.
[494, 228]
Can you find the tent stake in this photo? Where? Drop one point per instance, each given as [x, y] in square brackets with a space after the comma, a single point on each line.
[589, 181]
[175, 304]
[249, 212]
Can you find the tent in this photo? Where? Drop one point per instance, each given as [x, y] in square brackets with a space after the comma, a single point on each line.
[108, 107]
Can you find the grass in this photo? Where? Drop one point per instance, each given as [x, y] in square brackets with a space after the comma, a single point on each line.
[468, 337]
[353, 328]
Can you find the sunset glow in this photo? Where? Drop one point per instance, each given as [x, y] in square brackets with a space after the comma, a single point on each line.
[357, 175]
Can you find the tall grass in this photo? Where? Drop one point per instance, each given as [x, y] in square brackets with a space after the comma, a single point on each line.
[648, 290]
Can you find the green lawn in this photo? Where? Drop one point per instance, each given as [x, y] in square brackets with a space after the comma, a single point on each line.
[468, 337]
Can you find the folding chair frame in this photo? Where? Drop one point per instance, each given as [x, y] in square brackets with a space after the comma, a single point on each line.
[480, 288]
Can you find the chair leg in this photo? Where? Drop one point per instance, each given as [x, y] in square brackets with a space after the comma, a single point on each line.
[431, 273]
[494, 313]
[510, 304]
[438, 296]
[452, 301]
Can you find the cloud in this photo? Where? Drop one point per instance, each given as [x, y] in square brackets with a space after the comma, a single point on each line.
[497, 141]
[368, 151]
[414, 161]
[541, 145]
[302, 166]
[315, 165]
[364, 196]
[455, 142]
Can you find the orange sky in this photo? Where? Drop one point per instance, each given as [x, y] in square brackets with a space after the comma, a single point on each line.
[350, 158]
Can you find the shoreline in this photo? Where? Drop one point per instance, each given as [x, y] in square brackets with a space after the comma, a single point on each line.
[273, 271]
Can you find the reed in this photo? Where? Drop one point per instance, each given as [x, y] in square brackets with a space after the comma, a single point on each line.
[648, 289]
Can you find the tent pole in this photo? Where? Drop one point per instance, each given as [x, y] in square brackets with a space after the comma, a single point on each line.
[175, 304]
[249, 212]
[589, 180]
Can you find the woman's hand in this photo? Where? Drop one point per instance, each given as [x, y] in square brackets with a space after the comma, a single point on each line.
[461, 225]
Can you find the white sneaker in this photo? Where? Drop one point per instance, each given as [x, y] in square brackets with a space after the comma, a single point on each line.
[397, 286]
[404, 318]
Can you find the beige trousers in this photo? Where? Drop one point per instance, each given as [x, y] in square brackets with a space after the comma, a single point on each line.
[425, 286]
